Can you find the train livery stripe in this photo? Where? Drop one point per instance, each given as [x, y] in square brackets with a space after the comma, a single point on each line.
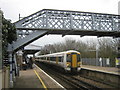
[40, 80]
[74, 60]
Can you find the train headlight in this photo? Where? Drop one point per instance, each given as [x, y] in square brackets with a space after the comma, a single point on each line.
[79, 63]
[68, 64]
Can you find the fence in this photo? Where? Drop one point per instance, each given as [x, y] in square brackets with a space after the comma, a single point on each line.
[104, 62]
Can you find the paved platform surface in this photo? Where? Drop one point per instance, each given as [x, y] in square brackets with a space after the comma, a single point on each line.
[48, 80]
[112, 70]
[27, 79]
[35, 78]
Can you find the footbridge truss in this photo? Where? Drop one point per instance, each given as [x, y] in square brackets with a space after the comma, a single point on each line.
[49, 21]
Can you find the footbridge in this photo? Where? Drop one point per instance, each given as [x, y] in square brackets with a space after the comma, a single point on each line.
[49, 21]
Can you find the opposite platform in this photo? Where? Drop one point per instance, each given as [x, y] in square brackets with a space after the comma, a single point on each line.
[112, 70]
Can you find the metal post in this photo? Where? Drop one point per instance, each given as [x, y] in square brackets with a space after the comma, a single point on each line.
[16, 68]
[11, 72]
[96, 54]
[0, 39]
[93, 21]
[19, 16]
[10, 50]
[118, 47]
[1, 49]
[63, 22]
[46, 19]
[118, 57]
[71, 21]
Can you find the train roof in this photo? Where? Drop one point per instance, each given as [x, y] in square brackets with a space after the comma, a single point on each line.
[59, 53]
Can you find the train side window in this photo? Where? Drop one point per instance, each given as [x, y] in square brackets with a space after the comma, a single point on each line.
[68, 58]
[59, 59]
[53, 58]
[78, 58]
[50, 58]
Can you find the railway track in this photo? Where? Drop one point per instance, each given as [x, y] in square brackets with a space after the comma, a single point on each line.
[98, 81]
[67, 80]
[85, 84]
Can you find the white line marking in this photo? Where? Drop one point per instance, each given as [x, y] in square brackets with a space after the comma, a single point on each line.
[50, 77]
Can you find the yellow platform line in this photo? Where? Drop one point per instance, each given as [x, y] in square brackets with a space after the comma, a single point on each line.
[40, 80]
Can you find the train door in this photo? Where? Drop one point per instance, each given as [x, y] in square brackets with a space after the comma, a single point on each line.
[74, 60]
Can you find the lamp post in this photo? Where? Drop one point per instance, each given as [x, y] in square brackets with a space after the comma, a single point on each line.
[1, 49]
[97, 54]
[119, 29]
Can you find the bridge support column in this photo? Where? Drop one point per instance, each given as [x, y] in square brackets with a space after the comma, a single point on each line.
[11, 70]
[14, 66]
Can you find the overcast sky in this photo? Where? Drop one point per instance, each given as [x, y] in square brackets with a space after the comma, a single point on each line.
[12, 8]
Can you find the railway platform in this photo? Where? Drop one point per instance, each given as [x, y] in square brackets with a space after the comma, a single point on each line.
[112, 70]
[35, 78]
[107, 75]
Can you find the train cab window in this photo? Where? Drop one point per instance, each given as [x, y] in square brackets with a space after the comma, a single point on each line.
[78, 58]
[68, 58]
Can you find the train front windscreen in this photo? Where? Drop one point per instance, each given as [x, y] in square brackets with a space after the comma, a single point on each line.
[73, 60]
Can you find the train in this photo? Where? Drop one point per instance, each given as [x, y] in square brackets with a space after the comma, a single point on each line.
[69, 61]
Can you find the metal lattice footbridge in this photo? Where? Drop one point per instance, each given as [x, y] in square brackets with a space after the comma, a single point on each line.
[62, 22]
[48, 21]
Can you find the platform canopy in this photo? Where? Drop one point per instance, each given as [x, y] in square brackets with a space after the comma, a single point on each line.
[31, 49]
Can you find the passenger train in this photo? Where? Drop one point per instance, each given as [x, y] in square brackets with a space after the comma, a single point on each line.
[67, 60]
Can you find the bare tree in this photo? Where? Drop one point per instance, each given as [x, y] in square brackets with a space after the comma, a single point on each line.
[107, 47]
